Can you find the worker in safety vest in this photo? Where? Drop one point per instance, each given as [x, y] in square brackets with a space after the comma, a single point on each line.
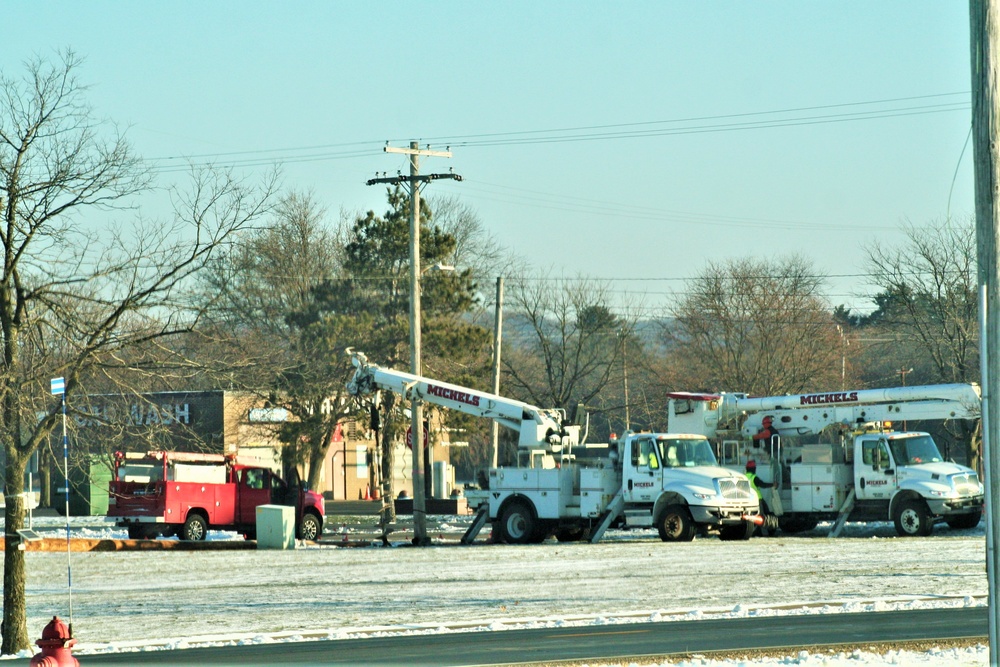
[770, 521]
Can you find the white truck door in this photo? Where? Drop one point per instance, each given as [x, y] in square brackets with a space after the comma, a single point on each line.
[641, 470]
[874, 469]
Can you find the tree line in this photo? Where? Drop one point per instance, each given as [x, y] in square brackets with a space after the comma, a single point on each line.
[250, 285]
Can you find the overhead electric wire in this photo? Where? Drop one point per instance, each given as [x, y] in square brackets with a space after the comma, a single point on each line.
[557, 203]
[964, 94]
[817, 120]
[321, 152]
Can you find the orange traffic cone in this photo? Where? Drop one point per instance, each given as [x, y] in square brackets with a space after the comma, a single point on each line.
[361, 496]
[368, 492]
[375, 495]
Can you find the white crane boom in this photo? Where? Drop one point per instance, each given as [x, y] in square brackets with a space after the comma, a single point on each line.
[804, 414]
[537, 428]
[951, 394]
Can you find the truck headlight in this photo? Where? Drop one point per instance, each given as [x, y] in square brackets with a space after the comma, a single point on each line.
[704, 496]
[941, 494]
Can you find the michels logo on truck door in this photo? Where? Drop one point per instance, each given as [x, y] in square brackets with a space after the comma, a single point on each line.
[822, 399]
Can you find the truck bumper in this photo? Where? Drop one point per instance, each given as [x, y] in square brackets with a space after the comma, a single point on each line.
[721, 516]
[956, 505]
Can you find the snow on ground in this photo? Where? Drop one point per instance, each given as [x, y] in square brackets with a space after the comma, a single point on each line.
[148, 600]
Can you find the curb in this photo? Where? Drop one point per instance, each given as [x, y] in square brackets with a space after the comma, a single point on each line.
[83, 544]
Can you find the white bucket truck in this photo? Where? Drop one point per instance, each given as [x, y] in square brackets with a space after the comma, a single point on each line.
[834, 457]
[560, 487]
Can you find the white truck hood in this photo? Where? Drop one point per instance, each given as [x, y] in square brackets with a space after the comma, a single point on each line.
[943, 475]
[702, 475]
[943, 469]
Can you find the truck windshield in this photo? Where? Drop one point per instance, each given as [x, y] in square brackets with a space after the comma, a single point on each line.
[914, 449]
[685, 452]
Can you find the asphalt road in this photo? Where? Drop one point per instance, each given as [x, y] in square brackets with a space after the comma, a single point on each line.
[633, 640]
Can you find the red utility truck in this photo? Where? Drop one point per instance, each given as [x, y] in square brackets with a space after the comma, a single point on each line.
[186, 494]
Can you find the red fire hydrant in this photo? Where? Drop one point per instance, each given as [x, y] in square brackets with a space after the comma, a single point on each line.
[56, 644]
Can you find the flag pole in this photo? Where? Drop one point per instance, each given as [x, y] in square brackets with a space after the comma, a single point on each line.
[59, 387]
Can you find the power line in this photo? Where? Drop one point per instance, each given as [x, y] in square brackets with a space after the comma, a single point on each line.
[757, 125]
[355, 149]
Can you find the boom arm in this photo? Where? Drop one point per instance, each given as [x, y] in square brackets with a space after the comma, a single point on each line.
[804, 414]
[536, 428]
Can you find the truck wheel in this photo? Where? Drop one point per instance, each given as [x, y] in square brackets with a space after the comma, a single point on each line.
[913, 519]
[517, 526]
[964, 521]
[675, 524]
[310, 527]
[195, 528]
[743, 531]
[136, 532]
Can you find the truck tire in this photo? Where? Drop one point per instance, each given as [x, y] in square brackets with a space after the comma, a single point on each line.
[964, 521]
[675, 524]
[195, 528]
[310, 528]
[742, 531]
[912, 519]
[518, 524]
[136, 532]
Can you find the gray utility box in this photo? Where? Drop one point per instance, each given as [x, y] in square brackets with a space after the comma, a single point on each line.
[275, 527]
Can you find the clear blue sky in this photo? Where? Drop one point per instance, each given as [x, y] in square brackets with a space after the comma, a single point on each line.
[795, 148]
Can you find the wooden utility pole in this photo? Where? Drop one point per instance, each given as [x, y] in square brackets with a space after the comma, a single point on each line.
[497, 337]
[628, 418]
[902, 374]
[984, 22]
[413, 183]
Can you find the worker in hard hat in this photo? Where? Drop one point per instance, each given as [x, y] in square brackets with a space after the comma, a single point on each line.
[766, 434]
[770, 525]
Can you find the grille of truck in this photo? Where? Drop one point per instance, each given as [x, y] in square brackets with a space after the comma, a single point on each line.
[966, 482]
[735, 489]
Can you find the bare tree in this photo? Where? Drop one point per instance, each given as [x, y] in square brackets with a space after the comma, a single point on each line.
[928, 311]
[73, 302]
[565, 342]
[255, 292]
[929, 297]
[270, 270]
[475, 247]
[759, 326]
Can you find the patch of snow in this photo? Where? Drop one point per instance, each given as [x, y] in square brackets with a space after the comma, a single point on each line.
[124, 601]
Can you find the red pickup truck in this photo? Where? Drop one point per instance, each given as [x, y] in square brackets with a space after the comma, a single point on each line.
[186, 494]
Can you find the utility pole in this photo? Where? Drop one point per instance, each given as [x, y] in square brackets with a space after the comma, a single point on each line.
[984, 25]
[843, 358]
[413, 184]
[497, 336]
[902, 374]
[628, 419]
